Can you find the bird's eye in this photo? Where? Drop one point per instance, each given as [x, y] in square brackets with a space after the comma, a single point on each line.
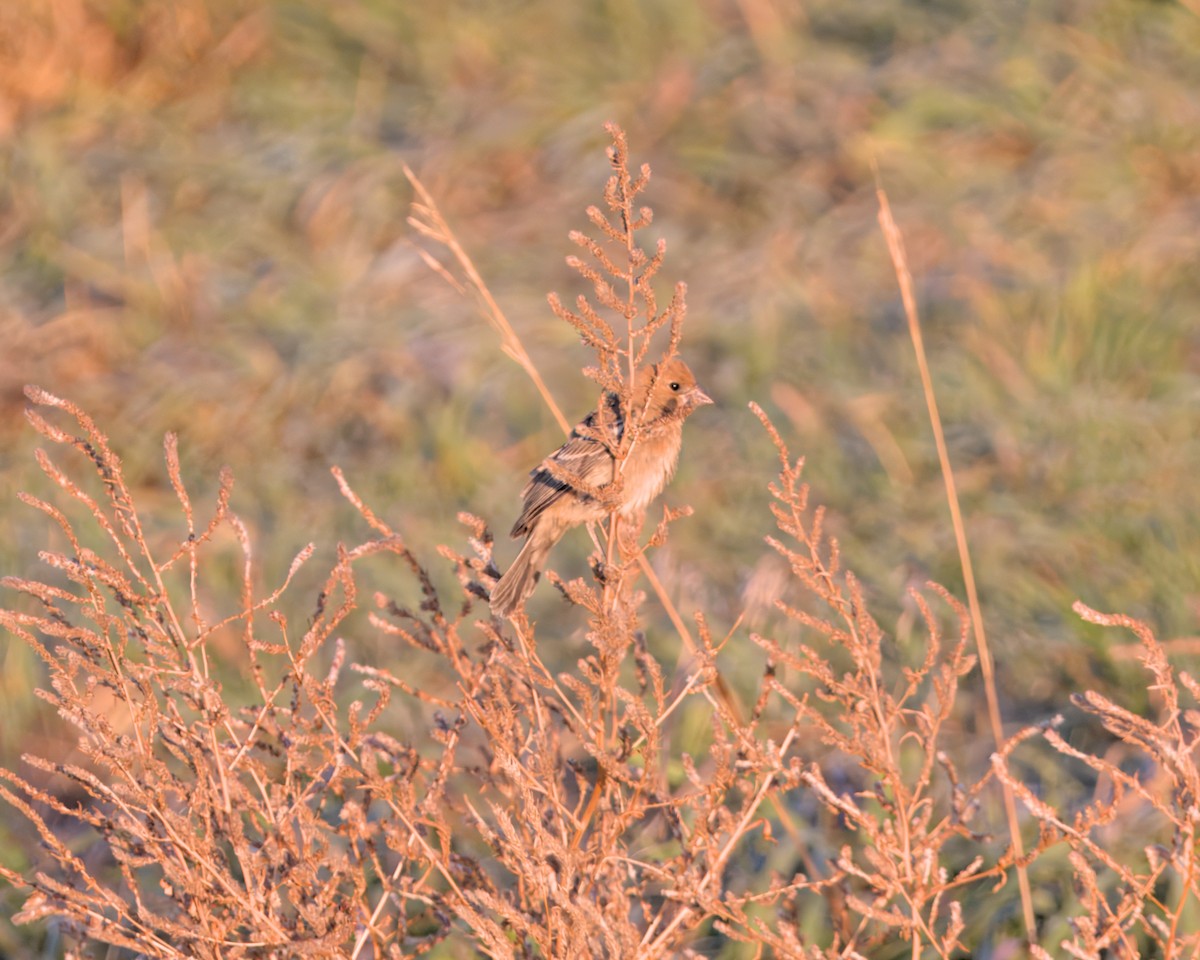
[674, 385]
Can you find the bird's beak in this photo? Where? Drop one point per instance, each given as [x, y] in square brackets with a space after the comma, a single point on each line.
[699, 397]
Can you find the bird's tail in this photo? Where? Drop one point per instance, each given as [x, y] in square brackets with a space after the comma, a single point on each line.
[512, 589]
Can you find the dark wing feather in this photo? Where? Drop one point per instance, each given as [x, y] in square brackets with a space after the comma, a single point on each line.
[580, 456]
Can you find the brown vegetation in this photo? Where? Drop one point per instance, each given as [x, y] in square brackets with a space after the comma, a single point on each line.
[837, 811]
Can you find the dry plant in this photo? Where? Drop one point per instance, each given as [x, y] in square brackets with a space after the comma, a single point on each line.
[273, 813]
[215, 824]
[899, 258]
[1133, 850]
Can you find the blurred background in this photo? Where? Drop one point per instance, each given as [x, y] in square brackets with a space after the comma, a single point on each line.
[202, 229]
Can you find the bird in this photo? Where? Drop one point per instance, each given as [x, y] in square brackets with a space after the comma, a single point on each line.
[663, 396]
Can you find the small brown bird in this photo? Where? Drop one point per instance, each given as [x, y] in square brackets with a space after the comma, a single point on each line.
[663, 397]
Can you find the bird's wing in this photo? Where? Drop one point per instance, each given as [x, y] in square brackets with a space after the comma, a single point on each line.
[581, 457]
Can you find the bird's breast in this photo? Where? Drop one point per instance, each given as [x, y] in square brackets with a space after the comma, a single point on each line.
[647, 469]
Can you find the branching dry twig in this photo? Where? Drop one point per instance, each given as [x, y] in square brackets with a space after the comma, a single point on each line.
[613, 810]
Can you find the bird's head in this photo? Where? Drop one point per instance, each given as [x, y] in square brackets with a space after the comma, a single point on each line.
[674, 392]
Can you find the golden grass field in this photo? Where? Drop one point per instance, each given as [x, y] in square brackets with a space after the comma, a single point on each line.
[729, 749]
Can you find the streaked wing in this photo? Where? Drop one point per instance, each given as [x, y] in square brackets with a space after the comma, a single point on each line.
[579, 456]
